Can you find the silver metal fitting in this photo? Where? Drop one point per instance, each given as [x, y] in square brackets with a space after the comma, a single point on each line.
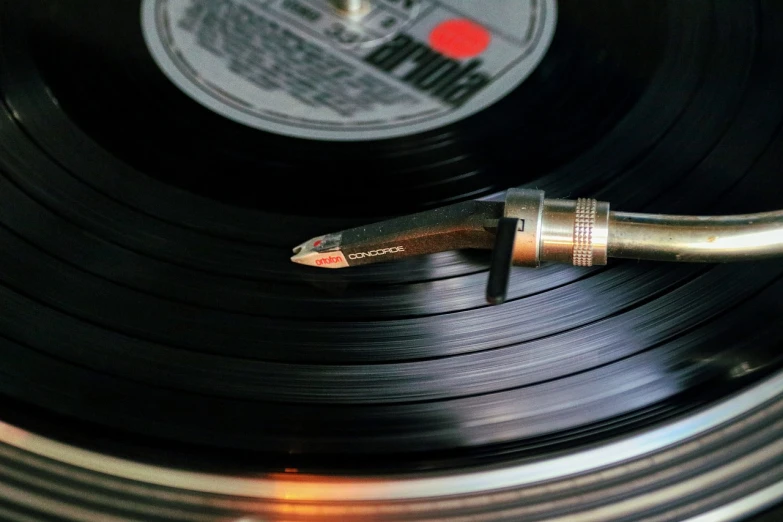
[558, 230]
[528, 207]
[352, 7]
[584, 226]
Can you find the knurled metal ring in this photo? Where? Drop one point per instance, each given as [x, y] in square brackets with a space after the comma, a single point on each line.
[584, 224]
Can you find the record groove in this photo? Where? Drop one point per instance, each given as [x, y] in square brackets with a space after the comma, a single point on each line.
[127, 282]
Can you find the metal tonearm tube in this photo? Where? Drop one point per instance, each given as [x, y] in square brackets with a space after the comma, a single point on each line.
[528, 229]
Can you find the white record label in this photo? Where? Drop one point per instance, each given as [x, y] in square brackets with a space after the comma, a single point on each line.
[302, 69]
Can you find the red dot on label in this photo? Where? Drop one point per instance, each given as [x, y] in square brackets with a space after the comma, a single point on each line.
[460, 39]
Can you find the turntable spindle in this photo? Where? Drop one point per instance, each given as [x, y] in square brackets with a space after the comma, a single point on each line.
[351, 7]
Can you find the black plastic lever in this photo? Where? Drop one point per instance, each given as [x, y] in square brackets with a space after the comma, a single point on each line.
[502, 258]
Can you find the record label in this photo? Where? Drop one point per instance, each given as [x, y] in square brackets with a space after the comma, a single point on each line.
[300, 68]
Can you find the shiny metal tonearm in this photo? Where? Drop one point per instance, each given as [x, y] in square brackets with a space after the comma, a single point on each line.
[528, 229]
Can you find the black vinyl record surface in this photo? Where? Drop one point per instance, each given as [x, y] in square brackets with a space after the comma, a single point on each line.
[147, 292]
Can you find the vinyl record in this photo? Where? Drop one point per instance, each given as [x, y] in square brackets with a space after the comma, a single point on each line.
[103, 72]
[151, 311]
